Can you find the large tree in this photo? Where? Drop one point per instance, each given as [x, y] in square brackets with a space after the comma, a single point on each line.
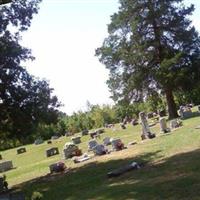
[151, 46]
[25, 101]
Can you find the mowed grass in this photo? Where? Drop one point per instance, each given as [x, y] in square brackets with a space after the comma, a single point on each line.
[171, 168]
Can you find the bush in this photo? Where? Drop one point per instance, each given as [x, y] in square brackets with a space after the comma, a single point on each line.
[36, 196]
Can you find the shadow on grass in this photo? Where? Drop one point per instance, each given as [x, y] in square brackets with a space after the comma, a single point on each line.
[176, 177]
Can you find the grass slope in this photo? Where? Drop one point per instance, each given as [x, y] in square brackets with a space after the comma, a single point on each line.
[171, 168]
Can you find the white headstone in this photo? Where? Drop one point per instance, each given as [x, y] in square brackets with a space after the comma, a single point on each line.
[144, 123]
[163, 124]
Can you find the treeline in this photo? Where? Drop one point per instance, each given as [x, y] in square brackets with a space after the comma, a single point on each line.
[97, 116]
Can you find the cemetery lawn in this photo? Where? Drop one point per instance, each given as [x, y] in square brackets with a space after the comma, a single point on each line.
[171, 168]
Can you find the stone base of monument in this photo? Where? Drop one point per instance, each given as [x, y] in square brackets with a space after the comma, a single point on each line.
[175, 123]
[148, 136]
[167, 130]
[78, 159]
[124, 169]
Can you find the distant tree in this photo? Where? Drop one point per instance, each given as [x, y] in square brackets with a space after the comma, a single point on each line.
[151, 47]
[24, 100]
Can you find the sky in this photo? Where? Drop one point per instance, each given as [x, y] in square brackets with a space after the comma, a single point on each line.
[63, 37]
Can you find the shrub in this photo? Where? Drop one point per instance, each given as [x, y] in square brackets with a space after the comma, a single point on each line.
[36, 196]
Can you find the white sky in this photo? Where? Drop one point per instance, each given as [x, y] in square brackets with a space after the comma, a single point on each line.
[63, 38]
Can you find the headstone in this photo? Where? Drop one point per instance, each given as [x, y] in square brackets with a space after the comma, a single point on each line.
[67, 134]
[175, 123]
[99, 150]
[163, 125]
[21, 150]
[76, 140]
[84, 132]
[198, 107]
[49, 142]
[93, 134]
[117, 144]
[54, 137]
[107, 141]
[57, 167]
[52, 151]
[190, 105]
[6, 165]
[109, 125]
[125, 120]
[38, 141]
[92, 144]
[134, 122]
[162, 113]
[123, 126]
[185, 112]
[100, 130]
[150, 115]
[71, 150]
[146, 133]
[124, 169]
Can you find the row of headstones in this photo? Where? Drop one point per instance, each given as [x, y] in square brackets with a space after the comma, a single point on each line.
[146, 133]
[75, 140]
[7, 165]
[99, 149]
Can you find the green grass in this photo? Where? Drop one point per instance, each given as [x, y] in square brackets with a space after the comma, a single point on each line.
[171, 168]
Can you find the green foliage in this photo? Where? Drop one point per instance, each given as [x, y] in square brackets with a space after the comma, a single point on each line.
[151, 47]
[156, 102]
[191, 96]
[37, 196]
[25, 101]
[95, 117]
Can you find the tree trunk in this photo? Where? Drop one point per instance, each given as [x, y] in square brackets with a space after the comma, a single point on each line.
[171, 104]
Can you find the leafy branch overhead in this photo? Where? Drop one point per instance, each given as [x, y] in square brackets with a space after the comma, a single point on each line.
[25, 101]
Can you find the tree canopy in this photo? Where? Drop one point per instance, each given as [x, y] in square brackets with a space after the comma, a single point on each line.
[151, 47]
[25, 101]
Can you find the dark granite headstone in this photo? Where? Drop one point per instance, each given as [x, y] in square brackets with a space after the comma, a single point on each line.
[21, 150]
[52, 151]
